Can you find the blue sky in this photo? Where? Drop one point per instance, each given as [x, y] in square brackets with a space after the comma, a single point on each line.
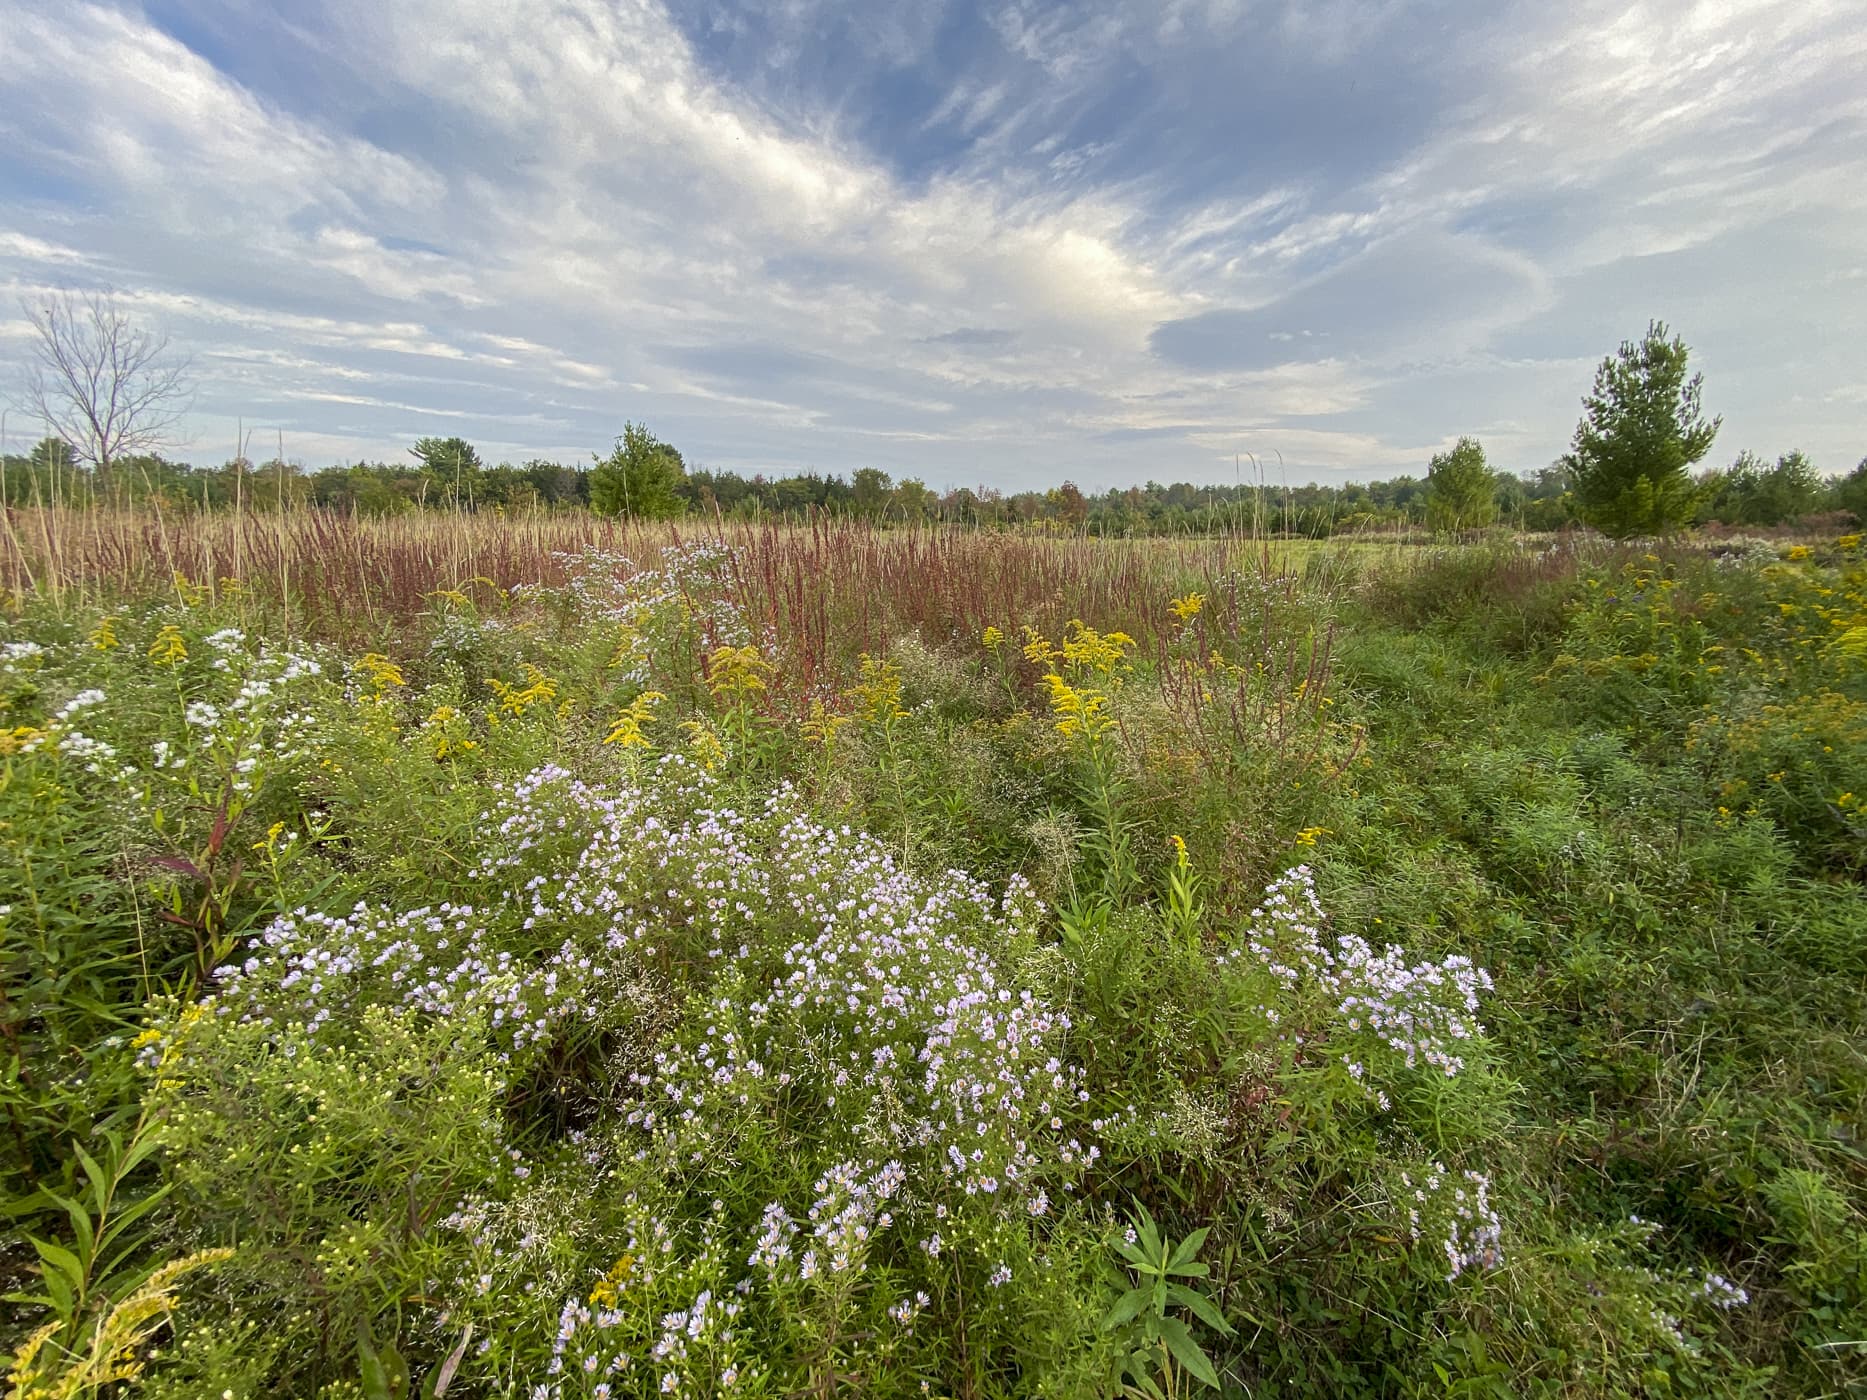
[983, 243]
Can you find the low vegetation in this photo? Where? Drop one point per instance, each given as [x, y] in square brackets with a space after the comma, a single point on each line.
[485, 961]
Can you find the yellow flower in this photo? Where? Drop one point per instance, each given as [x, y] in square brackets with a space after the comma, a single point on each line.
[1078, 711]
[168, 647]
[704, 744]
[627, 728]
[191, 594]
[877, 696]
[104, 634]
[1307, 836]
[738, 672]
[1037, 650]
[272, 837]
[992, 639]
[380, 672]
[1093, 650]
[539, 689]
[608, 1291]
[1799, 551]
[1848, 542]
[1187, 608]
[20, 739]
[821, 725]
[446, 732]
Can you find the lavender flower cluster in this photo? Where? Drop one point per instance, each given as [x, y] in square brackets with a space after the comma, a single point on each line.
[1423, 1012]
[829, 989]
[689, 593]
[1457, 1209]
[307, 967]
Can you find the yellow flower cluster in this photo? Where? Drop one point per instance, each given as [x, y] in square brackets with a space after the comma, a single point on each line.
[193, 595]
[20, 739]
[1078, 710]
[736, 672]
[447, 733]
[169, 646]
[609, 1289]
[704, 744]
[877, 696]
[114, 1353]
[539, 689]
[379, 673]
[1187, 607]
[626, 730]
[104, 635]
[1091, 650]
[821, 724]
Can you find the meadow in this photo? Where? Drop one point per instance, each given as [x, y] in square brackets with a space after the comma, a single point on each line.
[546, 957]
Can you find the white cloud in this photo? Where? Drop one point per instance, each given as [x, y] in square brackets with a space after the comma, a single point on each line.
[560, 204]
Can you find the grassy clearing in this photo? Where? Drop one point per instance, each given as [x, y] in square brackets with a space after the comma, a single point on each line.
[540, 958]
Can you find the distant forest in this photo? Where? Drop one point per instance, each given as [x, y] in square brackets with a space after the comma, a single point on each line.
[646, 477]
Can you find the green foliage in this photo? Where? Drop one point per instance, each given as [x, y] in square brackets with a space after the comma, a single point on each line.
[1642, 429]
[1451, 965]
[1158, 1345]
[641, 477]
[452, 465]
[1752, 492]
[1461, 488]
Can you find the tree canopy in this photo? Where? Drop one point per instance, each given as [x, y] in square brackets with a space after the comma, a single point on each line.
[642, 477]
[1461, 488]
[1641, 430]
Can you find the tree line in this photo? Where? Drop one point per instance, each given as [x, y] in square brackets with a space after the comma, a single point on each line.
[109, 391]
[1458, 493]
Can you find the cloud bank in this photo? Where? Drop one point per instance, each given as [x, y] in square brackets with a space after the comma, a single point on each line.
[988, 244]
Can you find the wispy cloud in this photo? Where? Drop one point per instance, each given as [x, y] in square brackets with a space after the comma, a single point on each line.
[1008, 241]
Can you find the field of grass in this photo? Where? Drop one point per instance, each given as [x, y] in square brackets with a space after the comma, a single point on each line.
[540, 957]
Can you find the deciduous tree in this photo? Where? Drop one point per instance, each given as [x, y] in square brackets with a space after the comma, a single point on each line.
[104, 384]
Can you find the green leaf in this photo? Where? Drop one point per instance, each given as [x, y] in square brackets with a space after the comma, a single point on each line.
[374, 1374]
[1189, 1246]
[1126, 1308]
[133, 1212]
[61, 1300]
[1187, 1352]
[395, 1369]
[1134, 1254]
[56, 1256]
[80, 1222]
[100, 1180]
[139, 1149]
[1201, 1307]
[1148, 1234]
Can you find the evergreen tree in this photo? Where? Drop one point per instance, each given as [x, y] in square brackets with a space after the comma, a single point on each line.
[641, 477]
[1461, 488]
[1641, 430]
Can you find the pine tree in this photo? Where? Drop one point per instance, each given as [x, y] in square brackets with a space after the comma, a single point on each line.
[1641, 430]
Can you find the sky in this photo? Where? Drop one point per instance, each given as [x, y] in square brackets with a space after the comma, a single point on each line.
[983, 244]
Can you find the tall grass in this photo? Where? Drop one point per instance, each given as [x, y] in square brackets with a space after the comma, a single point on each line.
[824, 591]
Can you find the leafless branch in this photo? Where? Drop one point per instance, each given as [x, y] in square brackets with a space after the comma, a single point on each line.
[107, 386]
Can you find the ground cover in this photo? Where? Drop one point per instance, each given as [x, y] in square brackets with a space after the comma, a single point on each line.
[488, 957]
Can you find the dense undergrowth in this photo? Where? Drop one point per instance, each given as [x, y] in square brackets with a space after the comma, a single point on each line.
[1414, 977]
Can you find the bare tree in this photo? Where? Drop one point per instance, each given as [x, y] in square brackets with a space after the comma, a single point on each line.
[107, 386]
